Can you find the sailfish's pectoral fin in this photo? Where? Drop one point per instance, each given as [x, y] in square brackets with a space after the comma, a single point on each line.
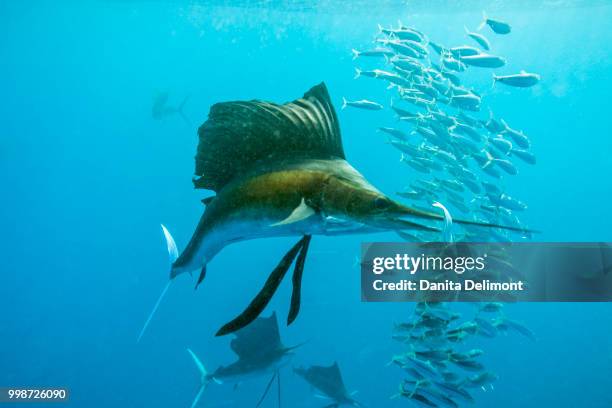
[301, 212]
[261, 300]
[296, 294]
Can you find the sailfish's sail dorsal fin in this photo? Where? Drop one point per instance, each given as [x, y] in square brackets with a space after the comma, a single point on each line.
[240, 135]
[257, 339]
[336, 376]
[327, 379]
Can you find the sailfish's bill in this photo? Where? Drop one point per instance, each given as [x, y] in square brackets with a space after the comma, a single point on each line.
[280, 170]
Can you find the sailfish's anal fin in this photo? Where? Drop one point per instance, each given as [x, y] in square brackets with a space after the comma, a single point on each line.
[202, 276]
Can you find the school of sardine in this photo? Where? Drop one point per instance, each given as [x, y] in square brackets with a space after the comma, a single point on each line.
[440, 370]
[458, 149]
[458, 152]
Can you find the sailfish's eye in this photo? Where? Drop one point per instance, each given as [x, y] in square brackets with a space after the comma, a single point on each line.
[381, 203]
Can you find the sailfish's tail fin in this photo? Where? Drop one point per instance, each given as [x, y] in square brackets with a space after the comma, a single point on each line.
[198, 364]
[205, 378]
[171, 244]
[198, 396]
[181, 111]
[173, 255]
[356, 403]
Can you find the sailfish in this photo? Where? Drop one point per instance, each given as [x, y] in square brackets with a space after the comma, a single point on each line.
[328, 381]
[259, 350]
[280, 170]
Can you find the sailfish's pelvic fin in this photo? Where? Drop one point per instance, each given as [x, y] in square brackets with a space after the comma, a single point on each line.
[265, 393]
[278, 383]
[298, 271]
[261, 300]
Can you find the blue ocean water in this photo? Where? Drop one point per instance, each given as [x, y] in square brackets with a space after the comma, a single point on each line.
[88, 176]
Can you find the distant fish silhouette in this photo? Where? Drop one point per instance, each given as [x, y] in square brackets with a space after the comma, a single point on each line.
[259, 350]
[328, 381]
[162, 110]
